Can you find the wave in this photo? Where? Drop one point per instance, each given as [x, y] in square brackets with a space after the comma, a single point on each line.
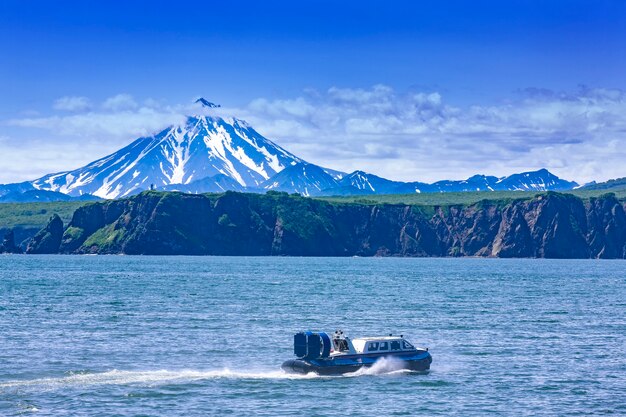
[117, 377]
[388, 365]
[383, 366]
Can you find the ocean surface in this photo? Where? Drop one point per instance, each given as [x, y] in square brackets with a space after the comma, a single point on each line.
[194, 336]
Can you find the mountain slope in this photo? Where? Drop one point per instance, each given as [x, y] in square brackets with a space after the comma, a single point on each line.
[303, 178]
[15, 188]
[541, 180]
[215, 184]
[377, 185]
[41, 196]
[473, 183]
[203, 146]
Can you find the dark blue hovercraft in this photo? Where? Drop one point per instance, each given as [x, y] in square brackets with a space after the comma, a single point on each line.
[320, 354]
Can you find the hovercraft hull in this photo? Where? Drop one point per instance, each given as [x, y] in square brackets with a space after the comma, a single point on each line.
[415, 361]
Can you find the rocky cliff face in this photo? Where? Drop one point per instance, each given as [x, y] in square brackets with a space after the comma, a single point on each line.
[22, 235]
[48, 239]
[7, 245]
[551, 226]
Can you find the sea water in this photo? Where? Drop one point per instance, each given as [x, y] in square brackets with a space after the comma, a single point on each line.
[192, 336]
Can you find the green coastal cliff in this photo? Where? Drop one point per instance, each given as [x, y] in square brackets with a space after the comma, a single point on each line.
[550, 225]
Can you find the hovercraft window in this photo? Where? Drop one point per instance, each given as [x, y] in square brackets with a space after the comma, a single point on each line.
[372, 346]
[407, 345]
[384, 346]
[395, 345]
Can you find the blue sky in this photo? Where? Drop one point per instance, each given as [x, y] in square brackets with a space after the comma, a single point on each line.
[488, 65]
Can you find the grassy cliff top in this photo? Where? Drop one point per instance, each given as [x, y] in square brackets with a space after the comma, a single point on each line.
[462, 198]
[37, 214]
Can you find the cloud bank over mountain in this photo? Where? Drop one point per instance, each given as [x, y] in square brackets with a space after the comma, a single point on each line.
[409, 135]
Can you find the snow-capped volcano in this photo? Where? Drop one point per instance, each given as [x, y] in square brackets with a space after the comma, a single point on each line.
[209, 153]
[203, 146]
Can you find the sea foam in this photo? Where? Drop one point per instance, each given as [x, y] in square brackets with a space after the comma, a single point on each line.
[156, 377]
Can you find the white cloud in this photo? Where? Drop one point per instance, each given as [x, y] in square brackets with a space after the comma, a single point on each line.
[72, 103]
[116, 125]
[120, 102]
[32, 157]
[116, 121]
[418, 136]
[579, 135]
[71, 141]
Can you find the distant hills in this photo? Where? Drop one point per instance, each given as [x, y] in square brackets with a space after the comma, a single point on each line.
[208, 153]
[360, 182]
[27, 193]
[611, 185]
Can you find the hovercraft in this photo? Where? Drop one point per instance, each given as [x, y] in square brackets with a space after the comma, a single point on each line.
[317, 352]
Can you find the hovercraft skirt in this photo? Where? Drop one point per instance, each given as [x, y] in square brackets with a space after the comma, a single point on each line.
[329, 367]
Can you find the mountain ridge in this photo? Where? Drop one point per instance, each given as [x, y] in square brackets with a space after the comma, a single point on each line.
[211, 153]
